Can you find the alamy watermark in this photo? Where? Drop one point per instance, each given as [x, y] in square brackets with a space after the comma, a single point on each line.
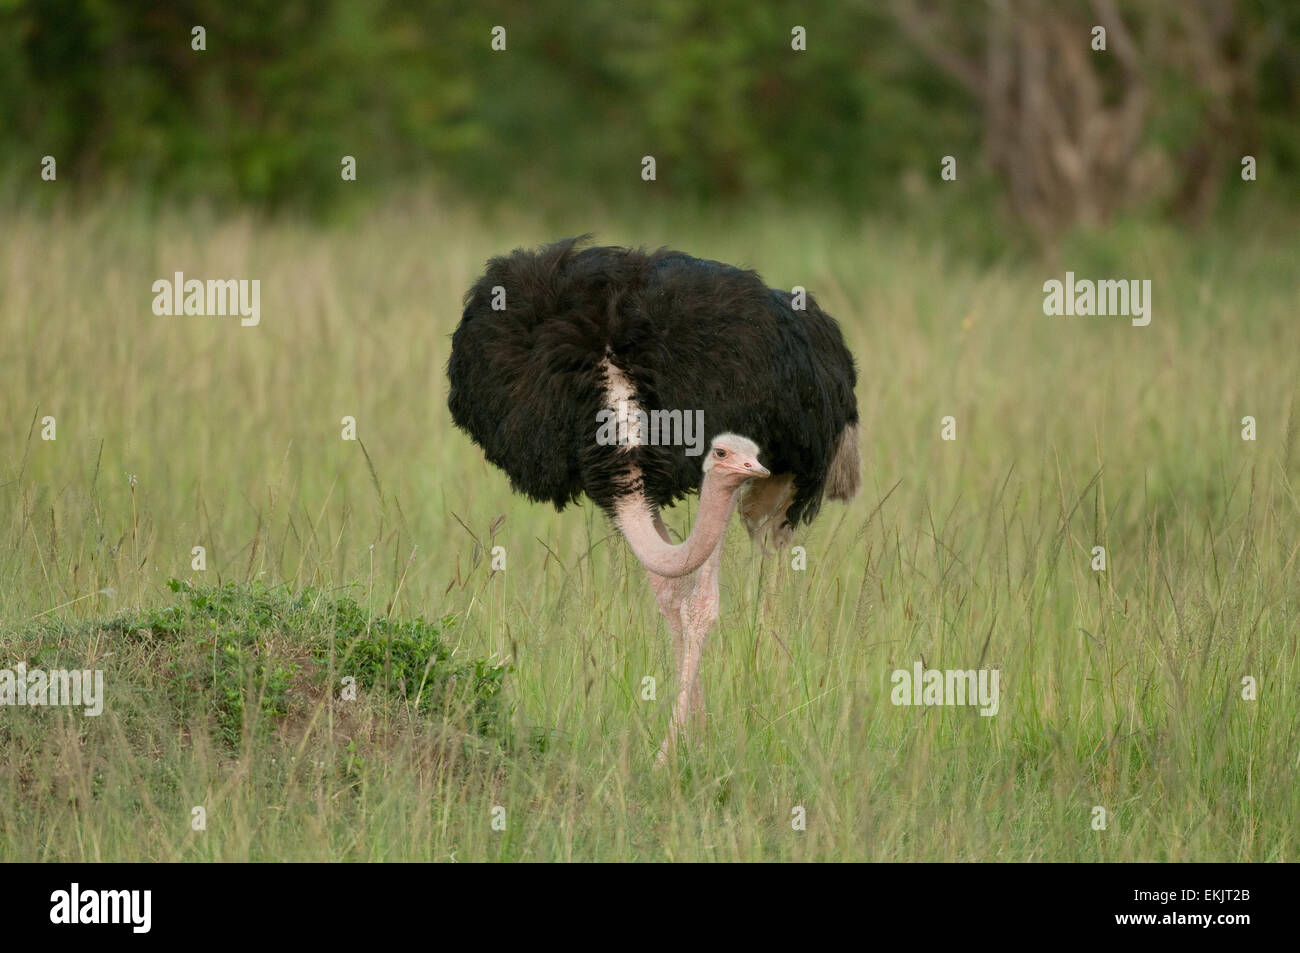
[36, 688]
[630, 426]
[934, 686]
[130, 907]
[212, 297]
[1128, 297]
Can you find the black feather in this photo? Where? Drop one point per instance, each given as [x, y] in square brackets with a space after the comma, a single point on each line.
[527, 382]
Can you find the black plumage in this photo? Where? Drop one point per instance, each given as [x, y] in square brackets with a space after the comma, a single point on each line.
[527, 382]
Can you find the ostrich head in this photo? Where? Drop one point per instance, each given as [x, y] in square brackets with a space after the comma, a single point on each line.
[733, 459]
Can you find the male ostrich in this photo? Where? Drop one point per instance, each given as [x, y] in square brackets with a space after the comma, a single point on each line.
[550, 339]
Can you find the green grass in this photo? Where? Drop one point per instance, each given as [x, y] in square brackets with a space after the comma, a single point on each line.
[1120, 689]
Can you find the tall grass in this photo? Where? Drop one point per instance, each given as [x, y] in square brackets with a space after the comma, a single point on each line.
[1120, 689]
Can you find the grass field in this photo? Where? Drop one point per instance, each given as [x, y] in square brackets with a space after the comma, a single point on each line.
[1120, 689]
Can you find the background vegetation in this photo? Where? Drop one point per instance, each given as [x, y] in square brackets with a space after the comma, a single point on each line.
[522, 688]
[584, 90]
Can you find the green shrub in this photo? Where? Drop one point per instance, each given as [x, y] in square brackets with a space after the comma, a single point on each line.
[233, 652]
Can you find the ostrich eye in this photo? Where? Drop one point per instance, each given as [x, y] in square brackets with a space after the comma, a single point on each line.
[719, 453]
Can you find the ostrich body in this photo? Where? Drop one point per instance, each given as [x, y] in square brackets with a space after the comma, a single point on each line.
[580, 332]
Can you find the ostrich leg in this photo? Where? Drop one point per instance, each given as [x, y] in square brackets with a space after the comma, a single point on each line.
[699, 613]
[690, 605]
[669, 593]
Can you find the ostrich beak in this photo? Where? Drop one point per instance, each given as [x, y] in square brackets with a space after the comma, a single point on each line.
[753, 468]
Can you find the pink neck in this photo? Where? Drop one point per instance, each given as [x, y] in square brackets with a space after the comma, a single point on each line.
[635, 518]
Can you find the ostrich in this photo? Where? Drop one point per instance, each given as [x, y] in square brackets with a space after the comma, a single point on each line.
[553, 341]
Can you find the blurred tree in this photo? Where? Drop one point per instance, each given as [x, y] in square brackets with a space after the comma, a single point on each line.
[713, 90]
[1068, 126]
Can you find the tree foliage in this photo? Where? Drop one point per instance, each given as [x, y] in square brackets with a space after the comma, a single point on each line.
[714, 91]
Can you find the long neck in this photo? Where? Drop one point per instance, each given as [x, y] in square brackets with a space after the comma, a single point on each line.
[635, 518]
